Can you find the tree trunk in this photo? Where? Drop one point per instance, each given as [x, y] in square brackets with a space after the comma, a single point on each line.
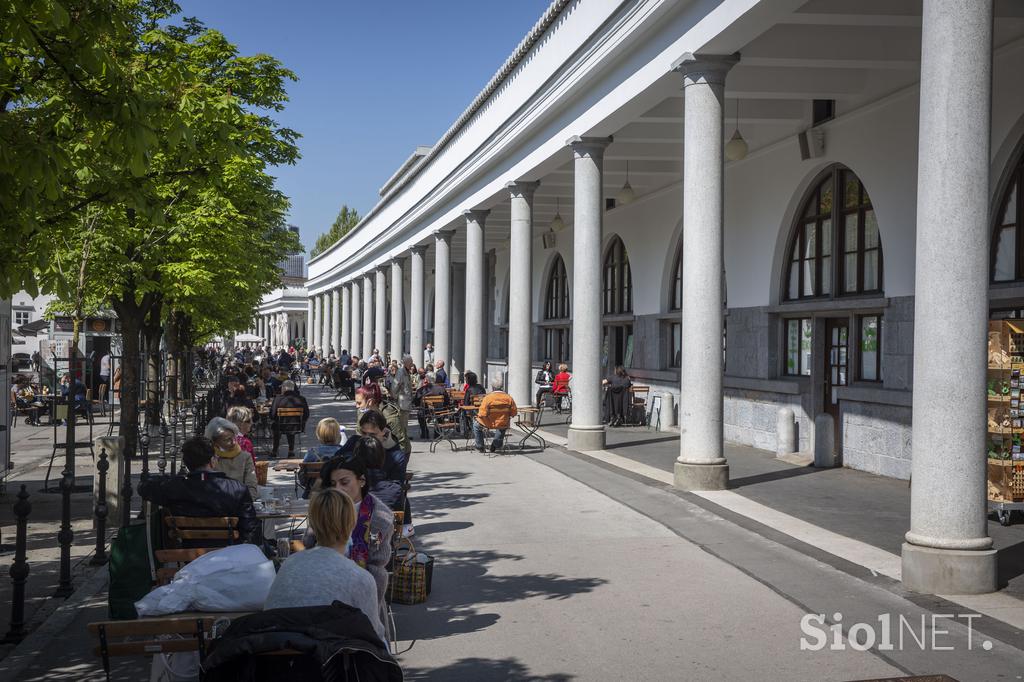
[154, 399]
[129, 377]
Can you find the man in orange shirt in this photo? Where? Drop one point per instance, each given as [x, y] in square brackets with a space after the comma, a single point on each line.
[495, 413]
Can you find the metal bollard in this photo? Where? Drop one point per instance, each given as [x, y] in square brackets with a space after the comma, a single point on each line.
[161, 461]
[19, 570]
[66, 536]
[102, 466]
[144, 446]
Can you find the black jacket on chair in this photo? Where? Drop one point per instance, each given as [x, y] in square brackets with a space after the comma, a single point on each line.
[337, 642]
[203, 493]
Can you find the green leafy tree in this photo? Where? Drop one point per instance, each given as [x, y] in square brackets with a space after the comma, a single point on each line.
[343, 224]
[198, 238]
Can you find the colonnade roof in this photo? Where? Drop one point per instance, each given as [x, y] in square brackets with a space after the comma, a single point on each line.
[597, 68]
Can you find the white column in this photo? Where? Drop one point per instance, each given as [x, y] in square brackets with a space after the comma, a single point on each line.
[261, 324]
[701, 464]
[520, 326]
[336, 321]
[325, 321]
[355, 342]
[442, 295]
[457, 365]
[367, 315]
[345, 341]
[947, 550]
[416, 306]
[397, 308]
[476, 270]
[587, 431]
[309, 321]
[380, 336]
[314, 319]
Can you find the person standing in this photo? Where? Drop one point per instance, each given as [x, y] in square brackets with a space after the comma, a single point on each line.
[440, 375]
[428, 354]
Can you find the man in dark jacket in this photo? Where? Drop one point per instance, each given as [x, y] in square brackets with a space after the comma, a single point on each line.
[435, 389]
[204, 491]
[289, 398]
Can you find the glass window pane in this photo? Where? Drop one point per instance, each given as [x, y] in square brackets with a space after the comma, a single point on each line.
[851, 187]
[1010, 214]
[826, 275]
[812, 206]
[869, 348]
[792, 346]
[810, 232]
[677, 344]
[809, 277]
[850, 232]
[805, 347]
[826, 237]
[825, 207]
[871, 270]
[850, 273]
[1006, 250]
[870, 230]
[794, 281]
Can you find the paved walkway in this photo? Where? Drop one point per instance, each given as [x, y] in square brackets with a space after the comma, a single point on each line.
[554, 566]
[871, 509]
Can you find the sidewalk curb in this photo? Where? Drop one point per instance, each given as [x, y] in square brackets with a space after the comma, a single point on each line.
[24, 654]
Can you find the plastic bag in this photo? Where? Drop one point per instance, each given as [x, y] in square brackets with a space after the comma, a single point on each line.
[235, 578]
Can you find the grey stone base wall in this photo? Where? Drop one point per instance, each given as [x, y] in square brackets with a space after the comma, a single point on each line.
[751, 418]
[876, 438]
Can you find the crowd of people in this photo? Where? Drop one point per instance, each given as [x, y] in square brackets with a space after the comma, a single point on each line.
[362, 480]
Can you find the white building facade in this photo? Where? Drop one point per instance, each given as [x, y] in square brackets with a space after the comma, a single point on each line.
[583, 209]
[281, 318]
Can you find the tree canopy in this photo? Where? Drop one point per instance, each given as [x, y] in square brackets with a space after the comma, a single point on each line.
[346, 220]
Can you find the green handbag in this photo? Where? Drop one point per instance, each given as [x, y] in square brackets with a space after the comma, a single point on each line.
[130, 569]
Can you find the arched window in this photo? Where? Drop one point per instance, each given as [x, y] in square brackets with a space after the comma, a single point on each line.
[1007, 240]
[556, 299]
[556, 333]
[676, 302]
[835, 249]
[618, 282]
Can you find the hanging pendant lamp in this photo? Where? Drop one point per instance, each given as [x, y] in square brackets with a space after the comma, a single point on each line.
[626, 194]
[557, 224]
[736, 148]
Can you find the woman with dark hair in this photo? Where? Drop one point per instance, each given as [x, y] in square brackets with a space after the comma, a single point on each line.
[544, 378]
[617, 396]
[375, 524]
[369, 397]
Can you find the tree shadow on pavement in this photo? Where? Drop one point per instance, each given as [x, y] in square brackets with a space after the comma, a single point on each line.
[509, 669]
[463, 583]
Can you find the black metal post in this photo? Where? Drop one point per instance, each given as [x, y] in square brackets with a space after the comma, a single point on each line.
[19, 570]
[102, 466]
[144, 446]
[161, 461]
[66, 535]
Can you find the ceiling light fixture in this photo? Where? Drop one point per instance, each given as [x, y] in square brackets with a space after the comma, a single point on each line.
[557, 224]
[736, 148]
[626, 194]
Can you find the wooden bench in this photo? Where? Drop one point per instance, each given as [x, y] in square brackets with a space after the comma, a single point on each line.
[142, 637]
[220, 531]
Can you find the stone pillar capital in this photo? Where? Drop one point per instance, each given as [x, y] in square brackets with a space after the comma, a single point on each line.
[476, 215]
[444, 235]
[418, 249]
[589, 146]
[708, 69]
[522, 189]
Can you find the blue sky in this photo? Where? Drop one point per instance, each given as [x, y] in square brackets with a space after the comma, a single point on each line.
[376, 79]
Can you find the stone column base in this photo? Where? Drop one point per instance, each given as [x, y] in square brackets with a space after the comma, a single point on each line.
[689, 476]
[948, 571]
[586, 438]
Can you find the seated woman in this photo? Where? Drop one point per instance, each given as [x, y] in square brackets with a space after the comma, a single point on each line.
[324, 574]
[544, 378]
[617, 398]
[375, 524]
[241, 417]
[369, 397]
[230, 458]
[560, 384]
[472, 390]
[331, 435]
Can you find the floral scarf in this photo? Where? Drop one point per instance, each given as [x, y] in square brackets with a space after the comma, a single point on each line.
[361, 536]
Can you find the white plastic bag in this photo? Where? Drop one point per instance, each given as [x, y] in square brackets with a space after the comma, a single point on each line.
[235, 578]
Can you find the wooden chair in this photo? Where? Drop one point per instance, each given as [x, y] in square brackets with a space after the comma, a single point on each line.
[307, 474]
[429, 404]
[456, 395]
[289, 420]
[494, 414]
[446, 424]
[193, 537]
[149, 636]
[638, 404]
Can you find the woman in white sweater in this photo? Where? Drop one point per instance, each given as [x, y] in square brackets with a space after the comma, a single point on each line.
[322, 575]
